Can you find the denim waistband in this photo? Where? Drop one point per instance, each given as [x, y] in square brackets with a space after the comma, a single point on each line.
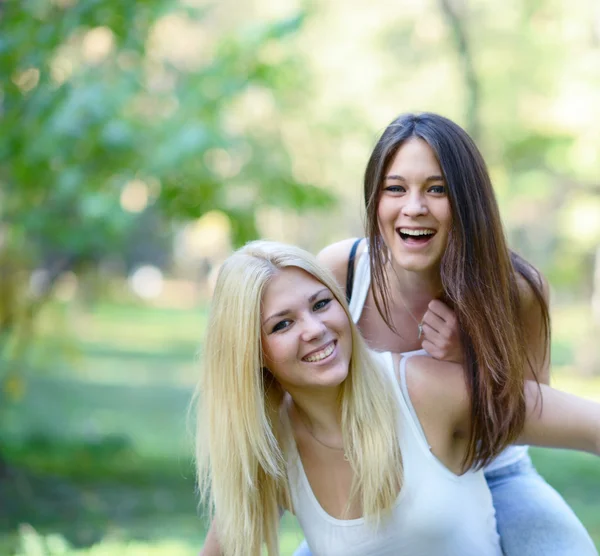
[524, 465]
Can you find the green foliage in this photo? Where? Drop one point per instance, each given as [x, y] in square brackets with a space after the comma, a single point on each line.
[33, 543]
[93, 102]
[101, 95]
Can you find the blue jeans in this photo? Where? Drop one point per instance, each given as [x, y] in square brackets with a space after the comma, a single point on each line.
[533, 519]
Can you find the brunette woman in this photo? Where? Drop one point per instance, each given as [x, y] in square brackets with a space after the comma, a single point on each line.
[435, 272]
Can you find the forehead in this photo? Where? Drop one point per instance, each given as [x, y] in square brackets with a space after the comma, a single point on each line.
[290, 286]
[414, 154]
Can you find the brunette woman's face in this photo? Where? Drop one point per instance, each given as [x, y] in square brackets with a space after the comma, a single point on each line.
[414, 210]
[306, 336]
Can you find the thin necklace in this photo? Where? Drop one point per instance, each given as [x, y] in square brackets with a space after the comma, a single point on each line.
[305, 425]
[419, 323]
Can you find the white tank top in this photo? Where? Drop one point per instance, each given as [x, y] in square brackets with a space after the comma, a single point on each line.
[437, 513]
[362, 282]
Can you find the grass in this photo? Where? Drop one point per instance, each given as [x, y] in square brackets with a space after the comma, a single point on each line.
[100, 444]
[577, 477]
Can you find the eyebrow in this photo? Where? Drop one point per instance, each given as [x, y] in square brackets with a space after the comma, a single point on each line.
[287, 311]
[400, 178]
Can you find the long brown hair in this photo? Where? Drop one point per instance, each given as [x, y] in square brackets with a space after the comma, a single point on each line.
[479, 277]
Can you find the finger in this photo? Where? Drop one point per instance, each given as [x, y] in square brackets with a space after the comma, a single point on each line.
[432, 334]
[438, 352]
[431, 349]
[434, 321]
[441, 310]
[441, 342]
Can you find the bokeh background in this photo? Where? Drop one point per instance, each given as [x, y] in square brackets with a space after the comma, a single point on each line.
[141, 141]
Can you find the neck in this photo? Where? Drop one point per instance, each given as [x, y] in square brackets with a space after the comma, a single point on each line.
[417, 288]
[319, 411]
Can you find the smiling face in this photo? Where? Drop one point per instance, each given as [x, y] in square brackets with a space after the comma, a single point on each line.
[413, 212]
[306, 335]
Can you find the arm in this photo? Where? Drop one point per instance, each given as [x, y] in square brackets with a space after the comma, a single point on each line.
[211, 543]
[440, 395]
[556, 419]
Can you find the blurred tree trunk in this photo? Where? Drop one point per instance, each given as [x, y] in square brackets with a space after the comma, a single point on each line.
[596, 290]
[455, 14]
[19, 309]
[588, 359]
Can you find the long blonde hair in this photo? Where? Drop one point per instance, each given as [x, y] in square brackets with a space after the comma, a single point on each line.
[240, 457]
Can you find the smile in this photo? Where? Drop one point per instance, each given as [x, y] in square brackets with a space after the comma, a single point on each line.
[324, 353]
[416, 236]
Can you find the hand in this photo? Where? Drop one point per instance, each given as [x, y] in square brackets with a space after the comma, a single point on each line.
[441, 337]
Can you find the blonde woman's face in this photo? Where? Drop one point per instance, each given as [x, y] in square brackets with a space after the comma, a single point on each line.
[306, 336]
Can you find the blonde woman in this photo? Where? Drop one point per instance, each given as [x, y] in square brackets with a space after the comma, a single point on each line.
[367, 450]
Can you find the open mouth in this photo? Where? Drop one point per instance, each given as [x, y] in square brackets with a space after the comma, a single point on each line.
[416, 236]
[321, 354]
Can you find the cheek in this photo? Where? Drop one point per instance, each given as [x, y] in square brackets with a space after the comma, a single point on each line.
[342, 324]
[382, 208]
[267, 348]
[276, 350]
[443, 214]
[446, 213]
[385, 215]
[445, 231]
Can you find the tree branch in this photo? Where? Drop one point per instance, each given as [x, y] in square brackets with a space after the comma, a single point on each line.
[455, 20]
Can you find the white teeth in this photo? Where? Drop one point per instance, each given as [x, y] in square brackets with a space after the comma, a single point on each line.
[410, 232]
[320, 355]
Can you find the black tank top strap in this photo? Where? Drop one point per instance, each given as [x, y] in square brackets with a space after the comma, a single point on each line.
[350, 273]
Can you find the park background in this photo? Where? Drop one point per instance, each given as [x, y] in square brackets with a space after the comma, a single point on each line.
[141, 141]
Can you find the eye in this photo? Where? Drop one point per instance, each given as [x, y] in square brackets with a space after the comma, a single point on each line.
[321, 304]
[437, 189]
[281, 325]
[395, 189]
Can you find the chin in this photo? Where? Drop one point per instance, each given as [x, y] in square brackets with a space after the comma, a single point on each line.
[416, 263]
[334, 377]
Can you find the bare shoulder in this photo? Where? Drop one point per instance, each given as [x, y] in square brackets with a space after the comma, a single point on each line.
[438, 388]
[535, 325]
[335, 257]
[526, 293]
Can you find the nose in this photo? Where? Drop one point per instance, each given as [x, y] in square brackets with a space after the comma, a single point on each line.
[415, 204]
[313, 328]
